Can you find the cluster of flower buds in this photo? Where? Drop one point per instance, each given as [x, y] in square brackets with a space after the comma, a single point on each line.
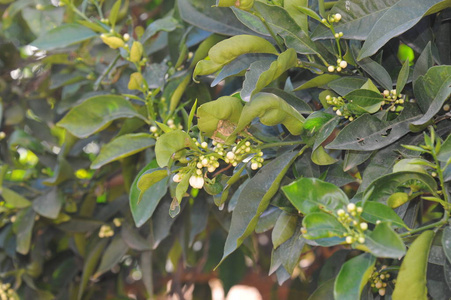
[351, 220]
[332, 19]
[341, 64]
[379, 280]
[6, 292]
[339, 106]
[393, 101]
[209, 160]
[106, 231]
[156, 132]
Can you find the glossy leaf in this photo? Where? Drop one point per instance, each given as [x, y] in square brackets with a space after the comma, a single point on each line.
[445, 150]
[320, 225]
[398, 19]
[259, 77]
[148, 179]
[313, 195]
[358, 18]
[411, 280]
[376, 211]
[121, 147]
[283, 229]
[385, 186]
[383, 241]
[353, 276]
[325, 291]
[364, 101]
[63, 36]
[254, 199]
[318, 81]
[23, 227]
[90, 264]
[376, 71]
[423, 63]
[368, 133]
[345, 85]
[97, 113]
[169, 143]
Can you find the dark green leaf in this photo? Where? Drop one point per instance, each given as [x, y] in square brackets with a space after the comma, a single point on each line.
[169, 143]
[63, 36]
[90, 265]
[96, 113]
[49, 204]
[446, 242]
[353, 277]
[14, 199]
[255, 198]
[368, 133]
[318, 81]
[320, 225]
[377, 72]
[376, 211]
[283, 229]
[423, 63]
[325, 291]
[23, 227]
[364, 101]
[112, 255]
[398, 19]
[385, 186]
[123, 146]
[402, 77]
[385, 242]
[445, 150]
[313, 195]
[345, 85]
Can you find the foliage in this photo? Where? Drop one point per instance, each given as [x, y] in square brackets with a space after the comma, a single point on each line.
[140, 140]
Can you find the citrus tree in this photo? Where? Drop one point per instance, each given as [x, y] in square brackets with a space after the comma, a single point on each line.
[147, 142]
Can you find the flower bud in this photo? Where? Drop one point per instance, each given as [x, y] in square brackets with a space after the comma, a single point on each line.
[254, 166]
[177, 178]
[349, 240]
[351, 207]
[230, 155]
[204, 145]
[136, 81]
[331, 68]
[337, 17]
[136, 52]
[196, 182]
[343, 64]
[126, 37]
[112, 41]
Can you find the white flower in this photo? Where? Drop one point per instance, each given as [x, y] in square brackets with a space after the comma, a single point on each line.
[196, 182]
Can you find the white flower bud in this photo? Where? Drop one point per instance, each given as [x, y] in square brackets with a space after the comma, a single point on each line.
[199, 172]
[338, 112]
[349, 239]
[230, 155]
[126, 37]
[340, 212]
[337, 35]
[170, 122]
[361, 240]
[351, 207]
[205, 162]
[196, 182]
[153, 129]
[386, 93]
[199, 165]
[331, 68]
[359, 209]
[254, 166]
[337, 17]
[338, 69]
[177, 178]
[204, 145]
[211, 169]
[364, 226]
[343, 64]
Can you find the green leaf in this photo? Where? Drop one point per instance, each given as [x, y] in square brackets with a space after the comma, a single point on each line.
[377, 72]
[227, 50]
[307, 11]
[385, 186]
[281, 23]
[318, 81]
[260, 76]
[283, 229]
[63, 36]
[445, 150]
[398, 19]
[114, 12]
[96, 113]
[364, 101]
[438, 96]
[122, 146]
[143, 210]
[112, 255]
[320, 225]
[397, 199]
[411, 280]
[345, 85]
[169, 143]
[321, 157]
[291, 6]
[358, 18]
[148, 179]
[446, 242]
[49, 204]
[291, 250]
[23, 227]
[403, 76]
[14, 199]
[384, 242]
[353, 276]
[423, 63]
[299, 104]
[219, 118]
[325, 291]
[376, 211]
[255, 198]
[368, 133]
[313, 195]
[90, 265]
